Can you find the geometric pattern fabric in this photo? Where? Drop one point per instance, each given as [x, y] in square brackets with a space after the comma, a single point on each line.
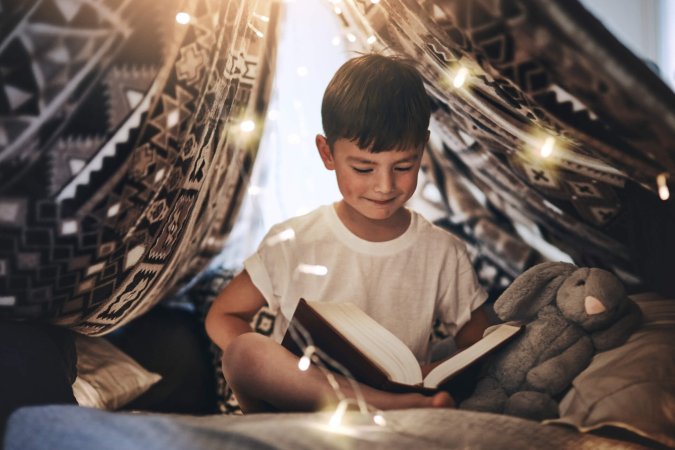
[535, 70]
[122, 160]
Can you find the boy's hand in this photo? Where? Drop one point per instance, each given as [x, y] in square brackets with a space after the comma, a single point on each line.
[473, 330]
[426, 368]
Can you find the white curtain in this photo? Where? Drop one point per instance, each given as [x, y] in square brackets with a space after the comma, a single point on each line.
[288, 177]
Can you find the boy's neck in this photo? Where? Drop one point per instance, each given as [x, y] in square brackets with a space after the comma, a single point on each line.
[371, 229]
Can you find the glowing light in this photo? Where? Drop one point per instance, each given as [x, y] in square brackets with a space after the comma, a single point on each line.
[312, 269]
[183, 18]
[371, 40]
[247, 126]
[306, 359]
[336, 419]
[374, 2]
[261, 17]
[273, 115]
[337, 10]
[661, 183]
[335, 41]
[113, 210]
[285, 235]
[351, 37]
[257, 32]
[304, 363]
[547, 149]
[302, 71]
[379, 420]
[460, 77]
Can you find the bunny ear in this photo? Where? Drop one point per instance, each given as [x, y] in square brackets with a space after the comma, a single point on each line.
[531, 290]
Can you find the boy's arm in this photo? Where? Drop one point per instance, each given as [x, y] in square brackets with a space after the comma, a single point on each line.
[471, 332]
[233, 309]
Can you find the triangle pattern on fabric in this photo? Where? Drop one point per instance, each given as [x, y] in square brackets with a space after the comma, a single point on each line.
[68, 8]
[17, 97]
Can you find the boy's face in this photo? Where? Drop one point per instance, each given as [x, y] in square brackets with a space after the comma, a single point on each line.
[375, 185]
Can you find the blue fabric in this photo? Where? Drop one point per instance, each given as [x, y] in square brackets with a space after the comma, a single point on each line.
[76, 428]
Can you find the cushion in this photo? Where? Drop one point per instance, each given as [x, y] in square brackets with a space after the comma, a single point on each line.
[107, 378]
[631, 387]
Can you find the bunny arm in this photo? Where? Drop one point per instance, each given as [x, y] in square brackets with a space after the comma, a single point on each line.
[555, 374]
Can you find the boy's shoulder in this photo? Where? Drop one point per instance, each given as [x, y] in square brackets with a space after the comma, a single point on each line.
[297, 225]
[436, 235]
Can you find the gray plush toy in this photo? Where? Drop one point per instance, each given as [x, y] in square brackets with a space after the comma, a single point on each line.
[570, 314]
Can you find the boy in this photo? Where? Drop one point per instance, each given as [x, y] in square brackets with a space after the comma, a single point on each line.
[366, 248]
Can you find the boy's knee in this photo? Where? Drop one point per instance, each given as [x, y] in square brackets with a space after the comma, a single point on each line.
[243, 357]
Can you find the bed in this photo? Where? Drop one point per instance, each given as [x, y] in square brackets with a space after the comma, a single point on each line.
[614, 403]
[79, 428]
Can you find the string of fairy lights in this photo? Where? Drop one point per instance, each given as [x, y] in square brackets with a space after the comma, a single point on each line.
[460, 78]
[547, 146]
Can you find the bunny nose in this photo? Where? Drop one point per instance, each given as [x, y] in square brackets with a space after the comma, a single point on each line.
[593, 306]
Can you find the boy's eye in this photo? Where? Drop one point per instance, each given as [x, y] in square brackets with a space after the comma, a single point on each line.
[360, 170]
[403, 168]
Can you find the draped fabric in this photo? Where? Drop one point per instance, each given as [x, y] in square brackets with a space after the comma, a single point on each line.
[126, 140]
[537, 69]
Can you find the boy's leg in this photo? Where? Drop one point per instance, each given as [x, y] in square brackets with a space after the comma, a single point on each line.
[264, 376]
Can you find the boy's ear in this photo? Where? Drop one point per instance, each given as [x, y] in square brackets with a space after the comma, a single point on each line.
[324, 152]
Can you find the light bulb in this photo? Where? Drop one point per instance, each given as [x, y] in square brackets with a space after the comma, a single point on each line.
[547, 149]
[183, 18]
[379, 420]
[304, 363]
[460, 77]
[661, 183]
[247, 126]
[306, 359]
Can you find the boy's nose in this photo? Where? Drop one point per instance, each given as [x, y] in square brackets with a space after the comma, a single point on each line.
[384, 182]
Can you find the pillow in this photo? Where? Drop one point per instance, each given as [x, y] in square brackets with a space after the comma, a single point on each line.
[107, 378]
[632, 386]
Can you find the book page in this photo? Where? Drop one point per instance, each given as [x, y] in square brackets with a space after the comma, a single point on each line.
[377, 343]
[461, 360]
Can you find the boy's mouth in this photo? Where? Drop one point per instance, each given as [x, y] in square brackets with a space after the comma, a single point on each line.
[381, 202]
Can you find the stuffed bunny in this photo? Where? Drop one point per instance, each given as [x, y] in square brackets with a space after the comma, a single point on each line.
[570, 314]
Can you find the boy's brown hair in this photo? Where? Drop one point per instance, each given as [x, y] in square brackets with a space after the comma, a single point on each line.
[377, 101]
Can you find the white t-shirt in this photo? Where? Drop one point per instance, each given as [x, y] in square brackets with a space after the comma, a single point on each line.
[404, 283]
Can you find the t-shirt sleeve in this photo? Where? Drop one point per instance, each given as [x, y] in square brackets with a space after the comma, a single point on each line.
[256, 269]
[462, 295]
[264, 266]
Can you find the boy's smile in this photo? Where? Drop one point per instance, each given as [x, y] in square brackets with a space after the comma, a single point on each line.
[374, 187]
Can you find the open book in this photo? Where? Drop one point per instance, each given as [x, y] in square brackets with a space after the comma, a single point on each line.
[373, 355]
